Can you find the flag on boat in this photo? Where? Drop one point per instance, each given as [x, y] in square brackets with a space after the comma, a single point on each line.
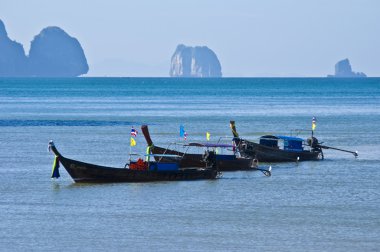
[55, 170]
[134, 132]
[133, 141]
[313, 123]
[208, 136]
[182, 132]
[185, 135]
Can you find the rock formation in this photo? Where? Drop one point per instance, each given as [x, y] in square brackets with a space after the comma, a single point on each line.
[12, 56]
[53, 53]
[343, 69]
[199, 61]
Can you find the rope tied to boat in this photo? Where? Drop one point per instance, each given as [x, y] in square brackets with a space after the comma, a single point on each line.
[255, 163]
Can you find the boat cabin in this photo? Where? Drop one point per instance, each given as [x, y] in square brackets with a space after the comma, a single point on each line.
[289, 143]
[269, 141]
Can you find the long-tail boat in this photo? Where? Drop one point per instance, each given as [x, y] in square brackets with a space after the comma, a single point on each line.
[223, 162]
[268, 150]
[140, 171]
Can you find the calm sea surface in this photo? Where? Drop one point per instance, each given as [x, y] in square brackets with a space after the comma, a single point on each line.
[331, 205]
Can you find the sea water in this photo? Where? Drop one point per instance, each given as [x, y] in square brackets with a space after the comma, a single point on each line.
[329, 205]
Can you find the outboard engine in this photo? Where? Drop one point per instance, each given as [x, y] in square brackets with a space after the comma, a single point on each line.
[209, 157]
[313, 142]
[315, 146]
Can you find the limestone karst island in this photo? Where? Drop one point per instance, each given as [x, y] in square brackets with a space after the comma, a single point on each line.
[199, 61]
[53, 53]
[343, 69]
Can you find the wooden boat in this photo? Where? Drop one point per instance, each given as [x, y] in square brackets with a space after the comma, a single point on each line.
[294, 148]
[267, 150]
[139, 171]
[223, 162]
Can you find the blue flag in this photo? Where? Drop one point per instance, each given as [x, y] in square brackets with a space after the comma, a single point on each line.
[181, 131]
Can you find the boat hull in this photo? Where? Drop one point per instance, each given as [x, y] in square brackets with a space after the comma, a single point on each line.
[196, 160]
[264, 153]
[90, 173]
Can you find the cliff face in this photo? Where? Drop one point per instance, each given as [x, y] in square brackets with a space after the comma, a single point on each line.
[12, 56]
[343, 69]
[53, 53]
[195, 62]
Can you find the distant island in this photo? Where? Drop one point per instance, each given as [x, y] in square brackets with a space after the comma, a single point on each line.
[199, 61]
[53, 53]
[343, 70]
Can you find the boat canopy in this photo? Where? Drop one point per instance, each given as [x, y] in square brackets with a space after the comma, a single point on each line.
[269, 140]
[290, 138]
[292, 143]
[210, 145]
[162, 155]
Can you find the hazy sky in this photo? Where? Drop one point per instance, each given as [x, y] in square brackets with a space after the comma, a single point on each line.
[250, 37]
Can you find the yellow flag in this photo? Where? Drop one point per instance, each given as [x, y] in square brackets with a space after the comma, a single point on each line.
[208, 136]
[133, 142]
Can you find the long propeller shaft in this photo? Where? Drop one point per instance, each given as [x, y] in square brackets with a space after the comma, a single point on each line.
[355, 153]
[267, 173]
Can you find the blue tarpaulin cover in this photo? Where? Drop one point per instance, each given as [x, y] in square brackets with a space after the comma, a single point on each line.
[290, 138]
[163, 167]
[292, 143]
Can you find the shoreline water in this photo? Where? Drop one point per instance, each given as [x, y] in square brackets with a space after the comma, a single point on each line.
[328, 205]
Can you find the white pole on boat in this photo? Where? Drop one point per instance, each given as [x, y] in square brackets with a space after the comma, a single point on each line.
[130, 153]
